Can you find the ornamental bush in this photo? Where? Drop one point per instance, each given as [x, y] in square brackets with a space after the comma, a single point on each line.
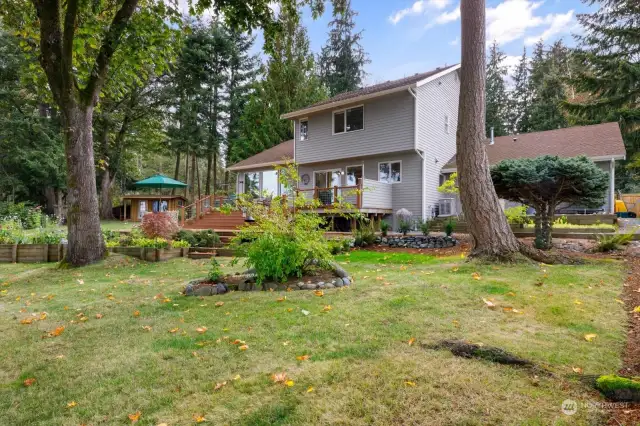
[159, 225]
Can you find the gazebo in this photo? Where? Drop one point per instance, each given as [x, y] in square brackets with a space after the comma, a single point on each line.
[140, 204]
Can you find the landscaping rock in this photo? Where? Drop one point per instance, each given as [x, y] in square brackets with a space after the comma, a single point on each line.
[321, 284]
[338, 270]
[417, 241]
[339, 283]
[329, 286]
[221, 288]
[309, 286]
[346, 281]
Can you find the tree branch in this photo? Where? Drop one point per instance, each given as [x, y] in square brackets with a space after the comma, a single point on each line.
[67, 39]
[51, 45]
[108, 48]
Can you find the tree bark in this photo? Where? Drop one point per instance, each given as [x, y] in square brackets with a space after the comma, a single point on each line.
[176, 173]
[198, 178]
[85, 236]
[215, 170]
[106, 205]
[492, 236]
[207, 185]
[186, 174]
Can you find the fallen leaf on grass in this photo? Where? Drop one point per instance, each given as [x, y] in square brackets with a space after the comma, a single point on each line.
[71, 404]
[319, 293]
[577, 302]
[305, 312]
[512, 294]
[476, 276]
[147, 328]
[158, 296]
[636, 309]
[237, 377]
[326, 308]
[201, 330]
[411, 341]
[289, 309]
[98, 316]
[577, 370]
[199, 418]
[136, 314]
[80, 281]
[281, 299]
[110, 296]
[218, 304]
[289, 383]
[456, 323]
[489, 303]
[174, 330]
[303, 357]
[135, 416]
[26, 321]
[455, 269]
[55, 333]
[590, 337]
[310, 389]
[408, 383]
[219, 386]
[43, 316]
[244, 347]
[28, 382]
[279, 377]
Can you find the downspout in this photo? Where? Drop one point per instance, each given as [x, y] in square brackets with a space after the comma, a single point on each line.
[612, 186]
[415, 148]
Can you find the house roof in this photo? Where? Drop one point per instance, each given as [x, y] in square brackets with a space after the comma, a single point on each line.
[278, 154]
[373, 91]
[598, 142]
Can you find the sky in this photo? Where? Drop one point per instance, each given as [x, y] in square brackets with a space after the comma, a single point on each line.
[404, 37]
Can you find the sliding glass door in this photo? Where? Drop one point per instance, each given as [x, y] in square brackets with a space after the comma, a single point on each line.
[325, 181]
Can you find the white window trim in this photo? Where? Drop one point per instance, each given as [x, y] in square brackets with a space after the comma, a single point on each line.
[447, 124]
[352, 165]
[389, 162]
[300, 129]
[323, 171]
[337, 111]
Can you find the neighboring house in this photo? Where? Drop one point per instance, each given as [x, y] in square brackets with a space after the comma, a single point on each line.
[394, 137]
[398, 141]
[602, 143]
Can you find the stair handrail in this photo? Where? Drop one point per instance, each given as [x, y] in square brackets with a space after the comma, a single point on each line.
[199, 206]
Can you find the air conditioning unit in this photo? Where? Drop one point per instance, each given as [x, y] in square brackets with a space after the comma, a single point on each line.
[445, 207]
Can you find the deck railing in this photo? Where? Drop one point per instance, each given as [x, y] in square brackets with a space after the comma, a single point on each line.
[329, 196]
[202, 206]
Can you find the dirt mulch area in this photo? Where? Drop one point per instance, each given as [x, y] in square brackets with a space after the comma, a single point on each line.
[630, 415]
[463, 247]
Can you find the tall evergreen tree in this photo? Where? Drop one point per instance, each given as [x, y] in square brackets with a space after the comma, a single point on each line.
[243, 71]
[496, 92]
[520, 98]
[610, 72]
[290, 83]
[343, 58]
[548, 71]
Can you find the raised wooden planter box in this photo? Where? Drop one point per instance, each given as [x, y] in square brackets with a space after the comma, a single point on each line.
[150, 254]
[32, 253]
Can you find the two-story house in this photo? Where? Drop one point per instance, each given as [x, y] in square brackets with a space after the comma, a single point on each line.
[397, 141]
[393, 137]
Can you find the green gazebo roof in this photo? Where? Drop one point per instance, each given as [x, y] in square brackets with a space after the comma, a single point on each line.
[159, 181]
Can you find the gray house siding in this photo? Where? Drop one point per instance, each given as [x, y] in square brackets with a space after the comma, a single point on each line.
[435, 101]
[388, 127]
[406, 194]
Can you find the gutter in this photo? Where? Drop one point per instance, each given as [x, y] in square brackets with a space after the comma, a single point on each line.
[415, 148]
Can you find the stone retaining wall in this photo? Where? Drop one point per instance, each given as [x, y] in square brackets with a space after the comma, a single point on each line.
[417, 241]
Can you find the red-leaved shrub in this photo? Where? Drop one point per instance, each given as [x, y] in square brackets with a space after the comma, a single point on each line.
[161, 224]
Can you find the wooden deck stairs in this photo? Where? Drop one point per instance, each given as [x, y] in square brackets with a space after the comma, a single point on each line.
[202, 214]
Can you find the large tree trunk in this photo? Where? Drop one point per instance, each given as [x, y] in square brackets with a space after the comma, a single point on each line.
[106, 205]
[492, 236]
[215, 170]
[85, 236]
[186, 174]
[544, 226]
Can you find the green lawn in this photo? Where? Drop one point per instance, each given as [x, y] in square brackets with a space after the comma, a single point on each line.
[361, 369]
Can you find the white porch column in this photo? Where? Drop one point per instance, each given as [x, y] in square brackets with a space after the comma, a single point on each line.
[612, 186]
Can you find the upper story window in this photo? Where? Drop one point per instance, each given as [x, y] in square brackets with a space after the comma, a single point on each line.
[446, 124]
[304, 130]
[348, 120]
[390, 172]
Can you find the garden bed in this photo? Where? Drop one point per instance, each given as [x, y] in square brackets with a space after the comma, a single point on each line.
[150, 254]
[32, 253]
[417, 241]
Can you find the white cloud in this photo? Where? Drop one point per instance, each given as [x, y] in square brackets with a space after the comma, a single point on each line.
[455, 42]
[447, 17]
[275, 7]
[510, 20]
[418, 8]
[558, 24]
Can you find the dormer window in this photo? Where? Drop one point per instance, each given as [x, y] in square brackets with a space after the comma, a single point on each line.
[304, 130]
[348, 120]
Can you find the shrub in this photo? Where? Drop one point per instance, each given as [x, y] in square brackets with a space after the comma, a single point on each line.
[11, 232]
[364, 234]
[44, 236]
[280, 245]
[607, 243]
[29, 217]
[562, 220]
[158, 243]
[180, 244]
[215, 273]
[609, 384]
[338, 246]
[159, 225]
[425, 225]
[185, 235]
[113, 243]
[384, 228]
[518, 215]
[110, 235]
[449, 227]
[404, 226]
[207, 238]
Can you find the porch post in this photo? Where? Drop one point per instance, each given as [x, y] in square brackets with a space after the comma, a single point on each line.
[612, 186]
